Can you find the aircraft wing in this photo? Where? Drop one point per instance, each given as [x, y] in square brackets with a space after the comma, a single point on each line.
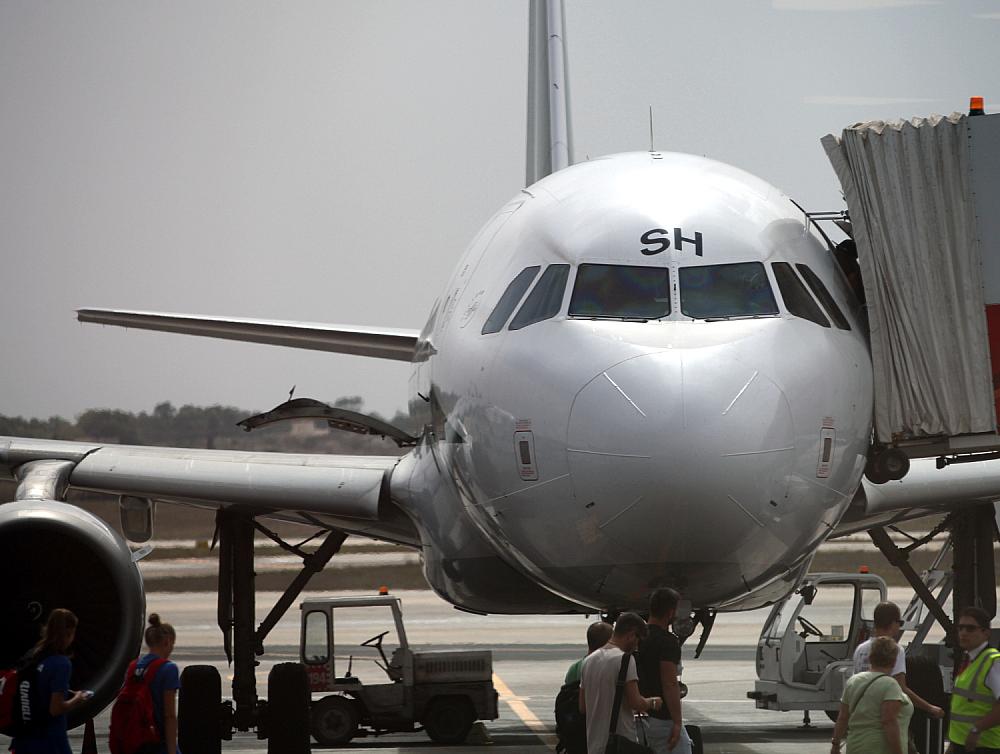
[380, 343]
[925, 490]
[347, 492]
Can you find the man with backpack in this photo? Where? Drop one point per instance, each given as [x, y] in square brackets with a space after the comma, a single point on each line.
[571, 724]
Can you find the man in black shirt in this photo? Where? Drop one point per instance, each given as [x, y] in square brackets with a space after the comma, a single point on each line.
[656, 663]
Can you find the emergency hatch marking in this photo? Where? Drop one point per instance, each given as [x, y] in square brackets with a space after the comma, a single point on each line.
[624, 395]
[519, 708]
[622, 512]
[742, 508]
[758, 452]
[742, 390]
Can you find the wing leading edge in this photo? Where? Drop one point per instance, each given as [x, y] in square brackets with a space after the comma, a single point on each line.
[349, 492]
[380, 343]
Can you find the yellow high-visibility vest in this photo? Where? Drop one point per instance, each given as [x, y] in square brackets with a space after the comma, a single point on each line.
[972, 700]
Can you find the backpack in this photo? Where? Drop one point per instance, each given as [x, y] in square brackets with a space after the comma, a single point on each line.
[20, 710]
[133, 725]
[571, 724]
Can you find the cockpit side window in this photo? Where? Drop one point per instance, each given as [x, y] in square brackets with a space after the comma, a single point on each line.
[721, 291]
[821, 292]
[510, 298]
[797, 299]
[621, 292]
[545, 298]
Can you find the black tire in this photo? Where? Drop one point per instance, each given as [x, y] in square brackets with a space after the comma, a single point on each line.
[449, 719]
[334, 720]
[288, 704]
[199, 715]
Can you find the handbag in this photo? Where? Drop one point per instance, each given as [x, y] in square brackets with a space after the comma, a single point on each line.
[619, 744]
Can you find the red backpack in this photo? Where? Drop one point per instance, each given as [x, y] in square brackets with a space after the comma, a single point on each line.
[132, 722]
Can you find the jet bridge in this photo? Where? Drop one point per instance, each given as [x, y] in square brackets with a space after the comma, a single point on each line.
[924, 204]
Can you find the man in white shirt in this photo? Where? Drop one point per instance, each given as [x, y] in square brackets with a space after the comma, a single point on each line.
[599, 679]
[889, 622]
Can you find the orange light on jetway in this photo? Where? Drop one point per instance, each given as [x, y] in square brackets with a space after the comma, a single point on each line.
[976, 106]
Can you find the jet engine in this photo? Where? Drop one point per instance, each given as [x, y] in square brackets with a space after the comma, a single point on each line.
[57, 555]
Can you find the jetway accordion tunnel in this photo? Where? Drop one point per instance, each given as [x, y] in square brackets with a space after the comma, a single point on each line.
[57, 555]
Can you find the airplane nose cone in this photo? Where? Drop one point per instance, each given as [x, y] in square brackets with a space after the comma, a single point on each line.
[680, 462]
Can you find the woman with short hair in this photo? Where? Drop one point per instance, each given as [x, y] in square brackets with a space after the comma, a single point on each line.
[875, 711]
[50, 684]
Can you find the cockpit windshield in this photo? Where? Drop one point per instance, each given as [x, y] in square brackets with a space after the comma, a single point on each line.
[724, 291]
[621, 292]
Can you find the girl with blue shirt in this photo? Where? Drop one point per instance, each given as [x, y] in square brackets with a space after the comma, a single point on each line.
[160, 638]
[51, 684]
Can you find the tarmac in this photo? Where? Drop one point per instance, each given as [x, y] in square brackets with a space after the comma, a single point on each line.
[530, 657]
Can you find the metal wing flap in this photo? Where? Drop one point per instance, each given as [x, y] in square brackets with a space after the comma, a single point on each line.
[380, 343]
[344, 486]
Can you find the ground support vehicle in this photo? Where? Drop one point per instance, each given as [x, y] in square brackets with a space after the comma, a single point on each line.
[443, 691]
[805, 651]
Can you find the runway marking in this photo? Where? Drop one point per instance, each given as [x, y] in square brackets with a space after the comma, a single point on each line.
[521, 709]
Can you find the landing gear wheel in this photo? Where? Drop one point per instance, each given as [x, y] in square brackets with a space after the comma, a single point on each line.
[334, 720]
[449, 719]
[288, 709]
[199, 711]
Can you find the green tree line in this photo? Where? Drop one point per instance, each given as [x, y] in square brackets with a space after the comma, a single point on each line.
[207, 427]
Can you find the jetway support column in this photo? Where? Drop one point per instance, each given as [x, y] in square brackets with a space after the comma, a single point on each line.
[973, 531]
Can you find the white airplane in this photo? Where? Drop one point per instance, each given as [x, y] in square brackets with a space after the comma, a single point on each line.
[646, 370]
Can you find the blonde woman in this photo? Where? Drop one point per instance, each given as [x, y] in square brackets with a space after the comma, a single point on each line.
[875, 711]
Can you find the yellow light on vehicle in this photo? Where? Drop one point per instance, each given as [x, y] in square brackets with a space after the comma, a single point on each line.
[863, 569]
[383, 590]
[976, 106]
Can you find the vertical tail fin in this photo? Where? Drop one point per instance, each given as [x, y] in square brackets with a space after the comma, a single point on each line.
[550, 138]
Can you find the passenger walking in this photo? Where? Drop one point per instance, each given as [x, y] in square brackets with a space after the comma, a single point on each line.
[975, 701]
[598, 634]
[599, 680]
[889, 622]
[657, 662]
[160, 638]
[875, 711]
[571, 723]
[50, 687]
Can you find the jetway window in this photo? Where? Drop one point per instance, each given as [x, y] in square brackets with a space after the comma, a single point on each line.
[820, 291]
[621, 292]
[797, 299]
[545, 299]
[510, 298]
[723, 291]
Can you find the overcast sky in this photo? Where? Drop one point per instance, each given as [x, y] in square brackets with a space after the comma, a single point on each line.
[328, 161]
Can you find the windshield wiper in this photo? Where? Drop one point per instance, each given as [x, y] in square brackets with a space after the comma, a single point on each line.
[739, 316]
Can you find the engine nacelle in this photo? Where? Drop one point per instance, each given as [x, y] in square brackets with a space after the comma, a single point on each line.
[58, 555]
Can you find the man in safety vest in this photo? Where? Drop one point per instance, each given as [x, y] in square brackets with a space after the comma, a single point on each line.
[975, 702]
